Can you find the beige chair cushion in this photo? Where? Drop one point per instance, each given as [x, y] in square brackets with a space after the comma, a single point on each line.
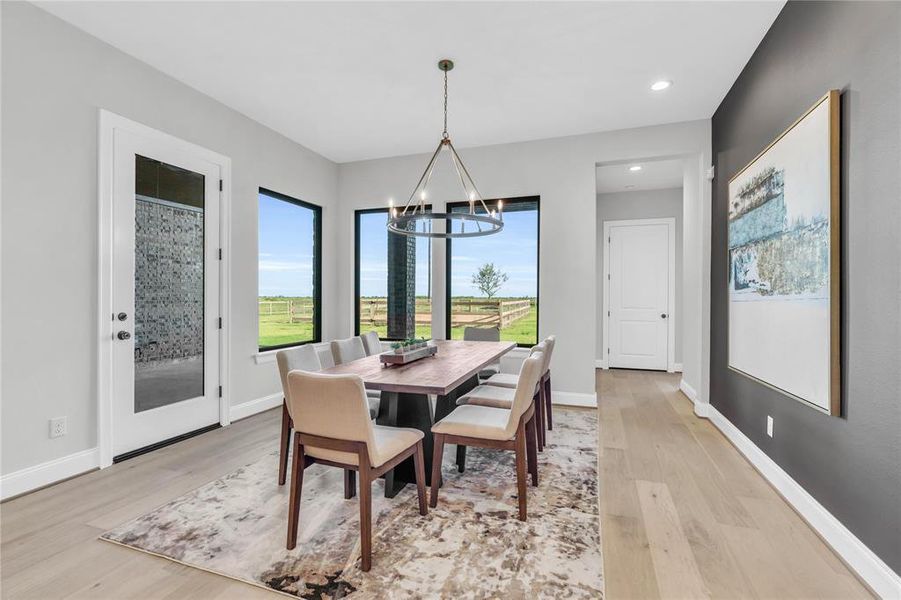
[345, 351]
[336, 407]
[482, 422]
[503, 380]
[371, 343]
[490, 370]
[489, 395]
[389, 442]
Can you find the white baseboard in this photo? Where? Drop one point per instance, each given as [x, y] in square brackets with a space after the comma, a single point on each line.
[701, 408]
[252, 407]
[574, 399]
[600, 363]
[877, 575]
[32, 478]
[677, 367]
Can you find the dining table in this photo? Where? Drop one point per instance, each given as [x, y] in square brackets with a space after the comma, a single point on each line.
[406, 389]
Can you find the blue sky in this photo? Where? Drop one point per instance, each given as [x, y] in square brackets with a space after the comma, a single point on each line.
[286, 248]
[286, 254]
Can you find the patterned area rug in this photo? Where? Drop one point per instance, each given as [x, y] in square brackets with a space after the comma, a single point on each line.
[471, 545]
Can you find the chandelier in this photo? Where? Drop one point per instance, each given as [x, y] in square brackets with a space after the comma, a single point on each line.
[413, 220]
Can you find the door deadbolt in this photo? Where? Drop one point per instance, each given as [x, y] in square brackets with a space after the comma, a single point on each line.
[662, 315]
[122, 316]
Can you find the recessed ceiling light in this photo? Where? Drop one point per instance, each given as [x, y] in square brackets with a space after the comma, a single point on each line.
[658, 86]
[635, 168]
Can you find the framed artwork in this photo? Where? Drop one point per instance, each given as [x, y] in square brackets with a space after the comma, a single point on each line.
[784, 280]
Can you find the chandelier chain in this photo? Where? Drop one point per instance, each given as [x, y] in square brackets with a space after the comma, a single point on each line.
[445, 135]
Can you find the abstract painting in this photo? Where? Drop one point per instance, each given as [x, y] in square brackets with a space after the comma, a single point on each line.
[784, 262]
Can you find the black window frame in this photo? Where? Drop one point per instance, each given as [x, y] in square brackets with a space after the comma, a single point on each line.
[448, 257]
[357, 214]
[317, 269]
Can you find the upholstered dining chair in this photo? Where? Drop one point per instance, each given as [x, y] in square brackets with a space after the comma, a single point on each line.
[304, 358]
[333, 428]
[501, 396]
[499, 428]
[545, 413]
[484, 334]
[345, 351]
[350, 349]
[371, 343]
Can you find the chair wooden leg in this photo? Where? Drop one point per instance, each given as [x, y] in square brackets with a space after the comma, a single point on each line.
[350, 484]
[520, 451]
[539, 419]
[419, 467]
[296, 487]
[461, 458]
[547, 399]
[284, 445]
[365, 519]
[437, 456]
[532, 449]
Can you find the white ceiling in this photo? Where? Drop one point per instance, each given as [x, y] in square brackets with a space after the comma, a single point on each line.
[654, 175]
[358, 80]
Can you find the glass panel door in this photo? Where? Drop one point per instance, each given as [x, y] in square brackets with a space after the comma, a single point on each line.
[169, 274]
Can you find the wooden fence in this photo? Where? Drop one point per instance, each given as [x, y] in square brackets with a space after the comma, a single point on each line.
[288, 311]
[464, 311]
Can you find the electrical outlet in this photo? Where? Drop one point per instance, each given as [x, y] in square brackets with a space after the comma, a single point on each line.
[769, 425]
[58, 427]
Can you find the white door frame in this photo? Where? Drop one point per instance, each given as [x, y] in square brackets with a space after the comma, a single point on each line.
[109, 122]
[670, 222]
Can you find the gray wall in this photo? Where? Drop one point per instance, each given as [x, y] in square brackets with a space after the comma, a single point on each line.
[55, 78]
[641, 204]
[852, 464]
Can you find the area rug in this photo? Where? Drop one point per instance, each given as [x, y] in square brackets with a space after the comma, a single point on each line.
[470, 546]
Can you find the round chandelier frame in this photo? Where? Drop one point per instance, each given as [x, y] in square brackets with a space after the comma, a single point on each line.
[413, 220]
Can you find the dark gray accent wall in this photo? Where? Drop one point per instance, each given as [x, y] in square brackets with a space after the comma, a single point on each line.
[851, 464]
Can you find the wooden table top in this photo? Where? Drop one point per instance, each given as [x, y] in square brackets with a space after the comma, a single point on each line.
[455, 362]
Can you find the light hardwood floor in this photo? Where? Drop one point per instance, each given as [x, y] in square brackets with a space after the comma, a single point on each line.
[683, 514]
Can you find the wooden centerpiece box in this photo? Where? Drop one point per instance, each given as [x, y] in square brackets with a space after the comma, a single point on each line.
[403, 353]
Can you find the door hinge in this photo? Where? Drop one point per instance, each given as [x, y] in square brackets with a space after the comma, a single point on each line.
[220, 253]
[220, 322]
[608, 276]
[608, 239]
[220, 185]
[220, 391]
[608, 352]
[608, 313]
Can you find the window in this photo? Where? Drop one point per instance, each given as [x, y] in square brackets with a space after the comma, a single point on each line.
[290, 271]
[492, 281]
[393, 279]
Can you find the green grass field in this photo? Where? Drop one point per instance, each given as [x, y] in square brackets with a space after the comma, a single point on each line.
[276, 330]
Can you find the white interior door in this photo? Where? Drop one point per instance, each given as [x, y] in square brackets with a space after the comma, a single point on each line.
[165, 292]
[638, 288]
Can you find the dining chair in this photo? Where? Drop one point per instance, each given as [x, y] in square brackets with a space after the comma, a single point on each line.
[545, 414]
[333, 429]
[371, 343]
[345, 351]
[484, 334]
[501, 396]
[498, 428]
[350, 349]
[304, 358]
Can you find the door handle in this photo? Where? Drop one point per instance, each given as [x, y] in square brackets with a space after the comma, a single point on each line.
[123, 335]
[662, 315]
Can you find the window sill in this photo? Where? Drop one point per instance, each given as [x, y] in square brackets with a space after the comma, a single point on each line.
[265, 357]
